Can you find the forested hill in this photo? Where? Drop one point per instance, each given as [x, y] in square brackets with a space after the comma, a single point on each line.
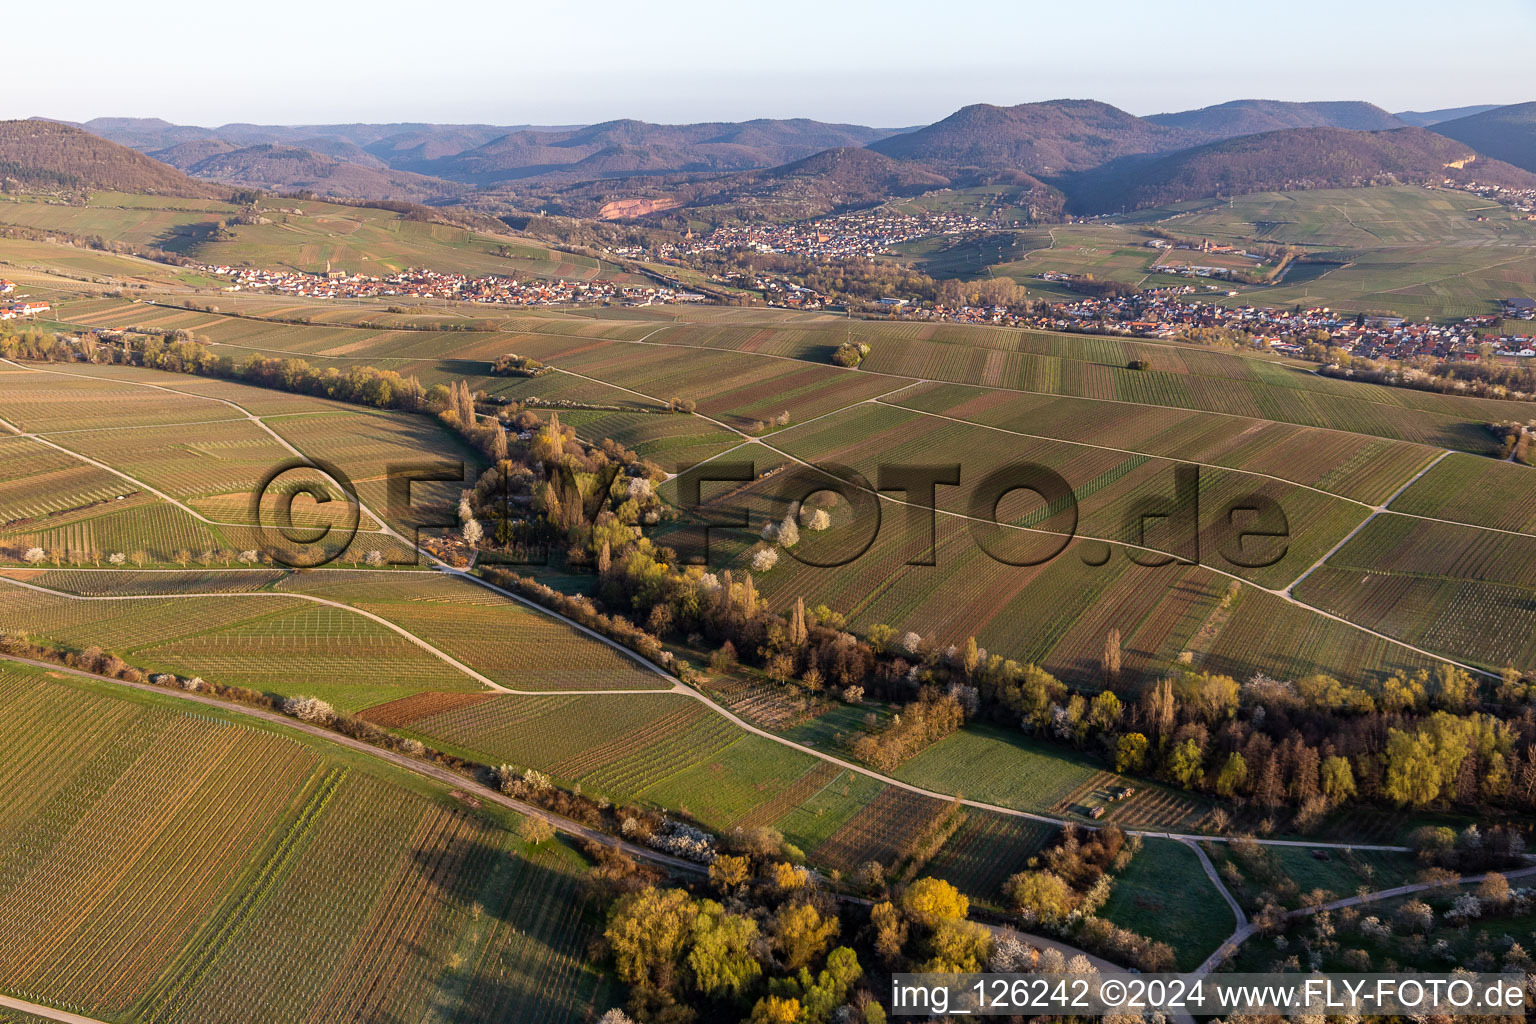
[1293, 159]
[1037, 138]
[1506, 133]
[48, 154]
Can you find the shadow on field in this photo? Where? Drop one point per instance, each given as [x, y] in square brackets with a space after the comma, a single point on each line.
[185, 237]
[531, 912]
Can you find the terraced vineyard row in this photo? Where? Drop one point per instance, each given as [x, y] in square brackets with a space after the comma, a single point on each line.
[1363, 468]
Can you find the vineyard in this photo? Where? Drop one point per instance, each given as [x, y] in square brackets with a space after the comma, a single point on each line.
[320, 891]
[1363, 468]
[825, 812]
[567, 736]
[986, 850]
[730, 784]
[158, 855]
[43, 401]
[495, 635]
[650, 435]
[263, 641]
[1438, 586]
[879, 831]
[1000, 767]
[1479, 492]
[139, 523]
[39, 484]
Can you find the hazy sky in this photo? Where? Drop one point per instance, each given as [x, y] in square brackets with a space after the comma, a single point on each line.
[898, 62]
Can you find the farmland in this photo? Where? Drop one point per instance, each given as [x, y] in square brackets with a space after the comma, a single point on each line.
[502, 638]
[163, 463]
[1011, 770]
[108, 915]
[1437, 585]
[1478, 492]
[1412, 251]
[986, 850]
[448, 916]
[262, 641]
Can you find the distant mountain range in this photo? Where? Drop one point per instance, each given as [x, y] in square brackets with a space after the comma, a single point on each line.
[1081, 154]
[627, 148]
[486, 155]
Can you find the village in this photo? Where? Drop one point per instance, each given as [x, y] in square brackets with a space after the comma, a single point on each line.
[429, 284]
[861, 235]
[1167, 314]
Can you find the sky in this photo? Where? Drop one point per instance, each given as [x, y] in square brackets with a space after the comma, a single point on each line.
[890, 64]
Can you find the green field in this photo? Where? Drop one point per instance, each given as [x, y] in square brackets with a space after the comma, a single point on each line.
[1165, 894]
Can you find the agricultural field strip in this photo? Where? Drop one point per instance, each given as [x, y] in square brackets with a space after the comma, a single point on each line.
[384, 527]
[375, 358]
[1282, 594]
[1183, 347]
[1385, 506]
[1127, 451]
[413, 638]
[128, 426]
[1378, 510]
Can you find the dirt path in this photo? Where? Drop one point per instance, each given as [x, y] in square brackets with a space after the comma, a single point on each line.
[1211, 873]
[1247, 929]
[1376, 510]
[36, 1010]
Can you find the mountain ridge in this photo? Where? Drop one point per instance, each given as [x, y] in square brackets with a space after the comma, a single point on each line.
[54, 154]
[1505, 133]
